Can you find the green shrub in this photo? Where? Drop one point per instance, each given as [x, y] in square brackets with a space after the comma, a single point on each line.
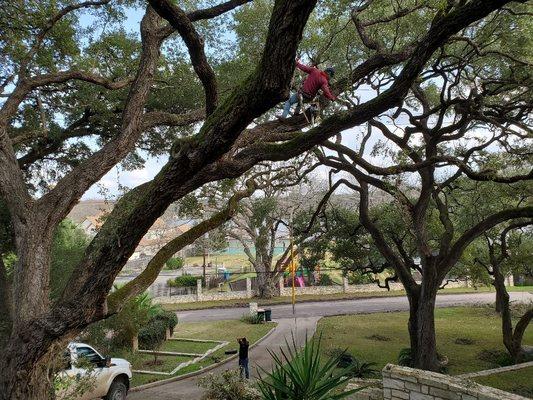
[174, 263]
[325, 280]
[357, 368]
[405, 357]
[183, 281]
[304, 374]
[169, 318]
[252, 318]
[152, 336]
[357, 278]
[228, 386]
[498, 358]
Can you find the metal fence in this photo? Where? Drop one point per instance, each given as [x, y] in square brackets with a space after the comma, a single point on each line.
[162, 289]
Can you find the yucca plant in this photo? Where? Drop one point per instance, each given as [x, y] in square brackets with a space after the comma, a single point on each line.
[303, 374]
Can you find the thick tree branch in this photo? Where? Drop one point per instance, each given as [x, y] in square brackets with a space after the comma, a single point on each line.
[207, 13]
[141, 282]
[195, 44]
[192, 159]
[489, 222]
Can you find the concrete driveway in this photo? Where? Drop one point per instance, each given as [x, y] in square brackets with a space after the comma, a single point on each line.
[188, 389]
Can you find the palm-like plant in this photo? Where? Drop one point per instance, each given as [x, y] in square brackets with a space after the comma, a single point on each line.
[303, 374]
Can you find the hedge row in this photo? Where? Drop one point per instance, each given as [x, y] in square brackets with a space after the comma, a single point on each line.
[183, 281]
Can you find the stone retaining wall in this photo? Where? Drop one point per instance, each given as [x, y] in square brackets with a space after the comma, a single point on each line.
[202, 295]
[402, 383]
[347, 288]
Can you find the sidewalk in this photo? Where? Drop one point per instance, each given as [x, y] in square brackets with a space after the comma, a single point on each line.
[187, 389]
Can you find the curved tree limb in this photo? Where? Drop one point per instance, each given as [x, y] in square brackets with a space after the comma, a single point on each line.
[195, 44]
[141, 282]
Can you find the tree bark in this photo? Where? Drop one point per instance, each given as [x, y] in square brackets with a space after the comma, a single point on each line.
[5, 304]
[425, 356]
[31, 286]
[266, 287]
[512, 338]
[412, 325]
[25, 361]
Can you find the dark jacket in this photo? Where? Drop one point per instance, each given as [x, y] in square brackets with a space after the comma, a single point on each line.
[243, 349]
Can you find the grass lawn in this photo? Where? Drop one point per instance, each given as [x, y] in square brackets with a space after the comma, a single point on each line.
[200, 305]
[142, 361]
[380, 337]
[519, 382]
[187, 347]
[217, 330]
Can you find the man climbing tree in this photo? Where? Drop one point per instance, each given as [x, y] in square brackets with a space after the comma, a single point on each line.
[315, 81]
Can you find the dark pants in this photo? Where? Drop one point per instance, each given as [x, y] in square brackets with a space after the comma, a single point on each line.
[243, 367]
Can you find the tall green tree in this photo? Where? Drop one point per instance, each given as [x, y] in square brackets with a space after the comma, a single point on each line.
[450, 127]
[499, 252]
[264, 221]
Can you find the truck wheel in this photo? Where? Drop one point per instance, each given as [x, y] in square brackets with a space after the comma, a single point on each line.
[117, 390]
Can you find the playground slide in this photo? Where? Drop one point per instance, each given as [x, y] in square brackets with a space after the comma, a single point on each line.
[300, 281]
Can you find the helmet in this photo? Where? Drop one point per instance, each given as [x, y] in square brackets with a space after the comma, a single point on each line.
[330, 71]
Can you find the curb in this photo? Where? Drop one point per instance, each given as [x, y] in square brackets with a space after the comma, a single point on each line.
[200, 371]
[494, 371]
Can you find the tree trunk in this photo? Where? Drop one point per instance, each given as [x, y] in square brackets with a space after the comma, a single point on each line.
[414, 300]
[425, 356]
[518, 334]
[31, 282]
[26, 362]
[502, 302]
[425, 349]
[5, 305]
[512, 339]
[265, 285]
[33, 383]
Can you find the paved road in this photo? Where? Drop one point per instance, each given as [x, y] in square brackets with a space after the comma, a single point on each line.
[308, 315]
[356, 306]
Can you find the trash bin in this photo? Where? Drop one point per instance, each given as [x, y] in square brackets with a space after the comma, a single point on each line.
[261, 314]
[268, 315]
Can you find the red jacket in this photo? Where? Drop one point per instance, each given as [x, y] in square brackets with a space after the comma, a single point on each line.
[316, 80]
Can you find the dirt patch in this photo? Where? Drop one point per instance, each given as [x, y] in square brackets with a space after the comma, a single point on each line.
[378, 338]
[464, 341]
[153, 363]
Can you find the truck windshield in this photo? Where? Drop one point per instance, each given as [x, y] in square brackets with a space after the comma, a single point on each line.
[88, 354]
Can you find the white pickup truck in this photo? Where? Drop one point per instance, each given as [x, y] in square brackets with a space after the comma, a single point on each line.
[110, 377]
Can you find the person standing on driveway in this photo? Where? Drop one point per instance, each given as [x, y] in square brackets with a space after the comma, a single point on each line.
[243, 357]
